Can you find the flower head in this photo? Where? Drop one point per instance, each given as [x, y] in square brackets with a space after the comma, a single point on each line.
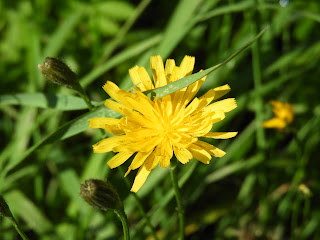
[284, 114]
[152, 131]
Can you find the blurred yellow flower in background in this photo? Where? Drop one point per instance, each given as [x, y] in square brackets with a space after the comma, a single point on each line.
[284, 114]
[152, 131]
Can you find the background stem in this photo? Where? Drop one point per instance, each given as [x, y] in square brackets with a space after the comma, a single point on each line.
[21, 233]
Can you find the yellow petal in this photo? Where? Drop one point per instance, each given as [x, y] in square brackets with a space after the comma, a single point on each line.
[138, 118]
[226, 105]
[140, 179]
[108, 144]
[139, 159]
[142, 104]
[191, 91]
[110, 124]
[100, 122]
[274, 123]
[175, 75]
[143, 134]
[134, 75]
[152, 161]
[118, 159]
[163, 153]
[170, 65]
[112, 90]
[220, 135]
[145, 79]
[207, 98]
[218, 116]
[117, 107]
[166, 148]
[182, 140]
[182, 154]
[164, 106]
[192, 107]
[157, 68]
[140, 78]
[164, 161]
[213, 94]
[214, 151]
[221, 91]
[135, 146]
[200, 154]
[201, 128]
[187, 65]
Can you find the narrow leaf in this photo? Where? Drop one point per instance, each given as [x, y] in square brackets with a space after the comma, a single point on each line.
[186, 81]
[28, 211]
[56, 101]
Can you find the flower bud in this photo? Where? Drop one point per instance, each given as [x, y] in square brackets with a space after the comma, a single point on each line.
[4, 209]
[58, 72]
[101, 195]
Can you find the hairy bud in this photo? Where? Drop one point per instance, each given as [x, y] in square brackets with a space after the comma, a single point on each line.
[58, 72]
[101, 195]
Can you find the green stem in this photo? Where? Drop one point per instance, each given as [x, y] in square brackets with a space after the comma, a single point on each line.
[257, 77]
[85, 97]
[16, 226]
[140, 206]
[124, 220]
[178, 197]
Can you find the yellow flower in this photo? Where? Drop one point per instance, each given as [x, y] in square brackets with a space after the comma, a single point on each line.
[152, 131]
[284, 114]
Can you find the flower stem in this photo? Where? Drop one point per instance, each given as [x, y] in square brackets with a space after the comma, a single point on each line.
[21, 233]
[85, 97]
[140, 206]
[178, 197]
[124, 220]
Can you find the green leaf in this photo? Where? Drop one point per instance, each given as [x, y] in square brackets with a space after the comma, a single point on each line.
[181, 20]
[117, 10]
[186, 81]
[23, 207]
[56, 101]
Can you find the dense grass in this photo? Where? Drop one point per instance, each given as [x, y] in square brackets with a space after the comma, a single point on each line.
[251, 193]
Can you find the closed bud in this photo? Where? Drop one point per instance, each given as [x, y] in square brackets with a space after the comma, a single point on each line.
[101, 195]
[58, 72]
[4, 209]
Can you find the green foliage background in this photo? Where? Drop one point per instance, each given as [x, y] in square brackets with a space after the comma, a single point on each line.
[251, 193]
